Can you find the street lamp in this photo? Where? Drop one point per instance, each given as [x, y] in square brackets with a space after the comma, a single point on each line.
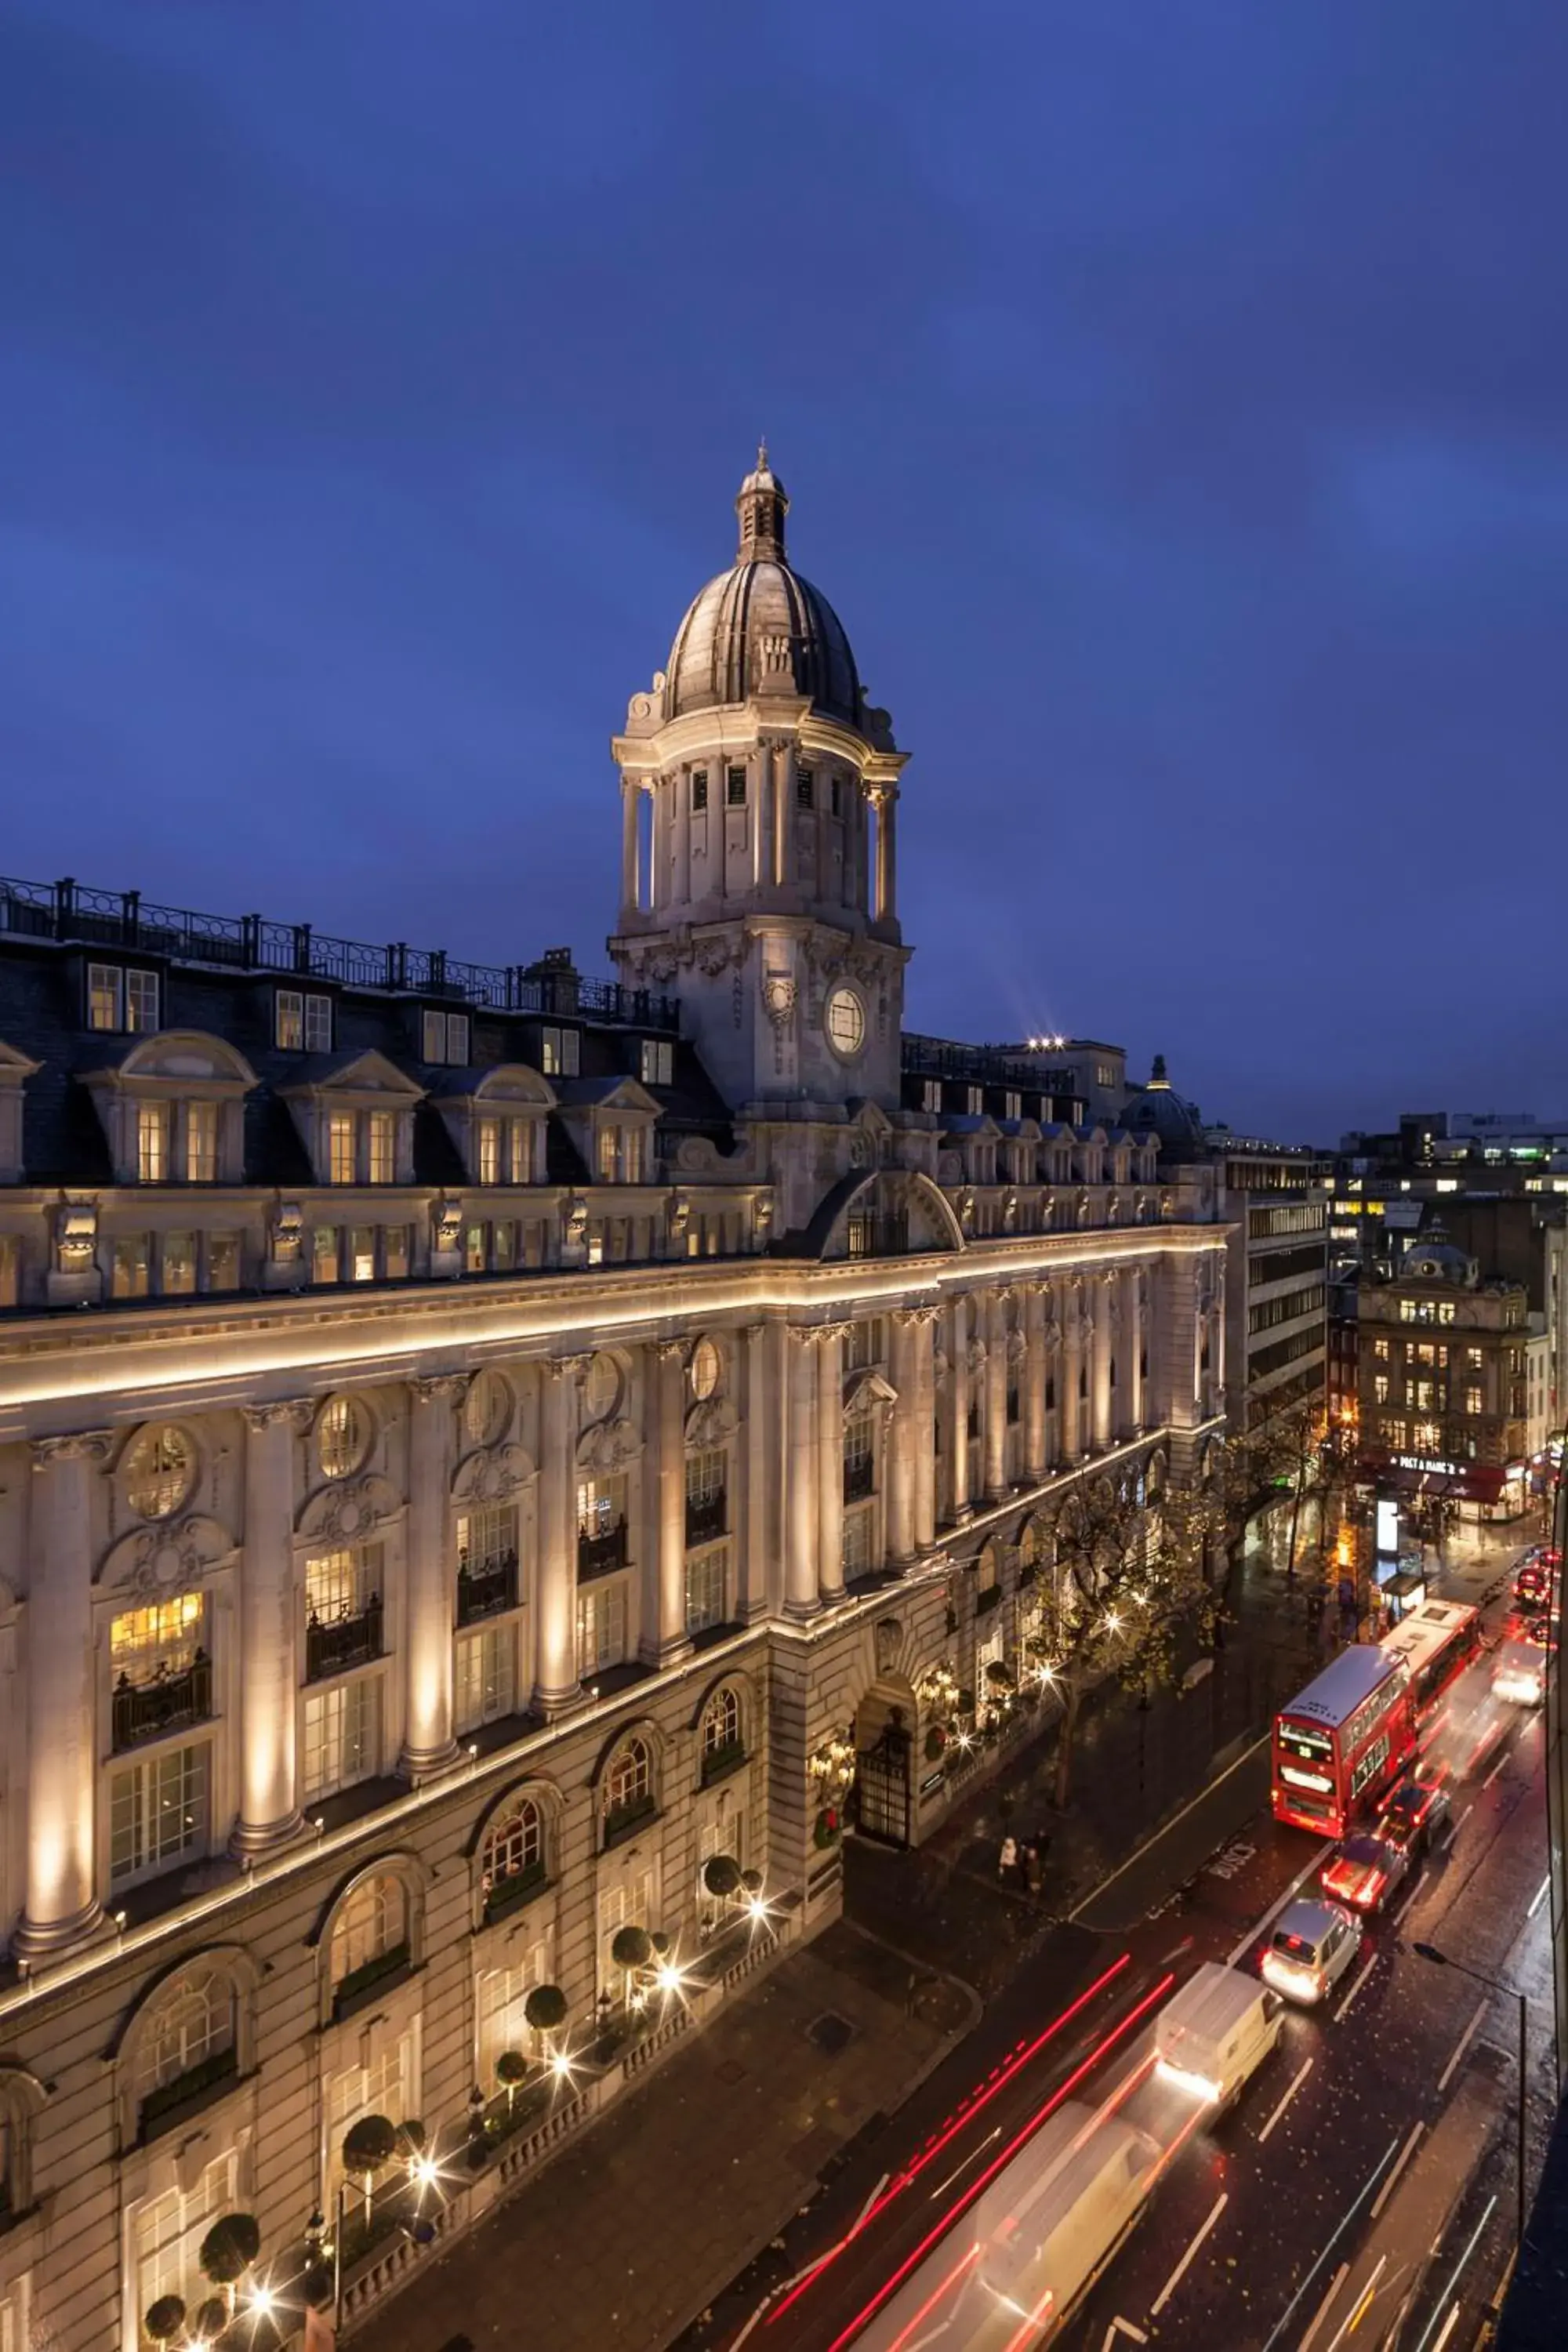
[1443, 1960]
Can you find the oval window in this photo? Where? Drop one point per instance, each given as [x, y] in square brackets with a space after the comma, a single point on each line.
[342, 1436]
[487, 1409]
[707, 1367]
[845, 1023]
[602, 1389]
[160, 1471]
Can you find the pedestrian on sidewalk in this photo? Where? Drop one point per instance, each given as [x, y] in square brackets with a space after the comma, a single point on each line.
[1008, 1861]
[1033, 1868]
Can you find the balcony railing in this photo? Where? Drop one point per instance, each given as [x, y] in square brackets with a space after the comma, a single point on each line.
[707, 1516]
[601, 1555]
[165, 1703]
[859, 1478]
[486, 1589]
[343, 1641]
[123, 918]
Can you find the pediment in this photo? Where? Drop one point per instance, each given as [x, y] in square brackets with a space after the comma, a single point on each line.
[186, 1056]
[369, 1072]
[15, 1066]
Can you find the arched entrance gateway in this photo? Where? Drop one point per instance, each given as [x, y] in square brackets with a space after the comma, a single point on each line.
[884, 1761]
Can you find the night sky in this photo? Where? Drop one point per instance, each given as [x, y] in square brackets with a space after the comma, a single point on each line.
[1173, 399]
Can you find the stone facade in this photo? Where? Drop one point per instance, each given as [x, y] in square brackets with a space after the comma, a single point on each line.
[393, 1612]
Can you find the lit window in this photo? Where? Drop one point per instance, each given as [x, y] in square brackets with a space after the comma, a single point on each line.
[383, 1148]
[1380, 1389]
[489, 1151]
[160, 1640]
[973, 1097]
[289, 1021]
[340, 1169]
[158, 1473]
[485, 1680]
[362, 1253]
[157, 1814]
[395, 1252]
[169, 2231]
[1475, 1400]
[445, 1038]
[201, 1143]
[846, 1022]
[342, 1436]
[371, 1927]
[720, 1723]
[105, 996]
[1013, 1105]
[657, 1062]
[476, 1249]
[324, 1254]
[192, 2033]
[522, 1151]
[560, 1052]
[630, 1778]
[153, 1142]
[707, 1368]
[514, 1849]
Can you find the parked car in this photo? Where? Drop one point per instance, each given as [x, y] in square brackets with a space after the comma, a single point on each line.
[1312, 1946]
[1364, 1872]
[1413, 1815]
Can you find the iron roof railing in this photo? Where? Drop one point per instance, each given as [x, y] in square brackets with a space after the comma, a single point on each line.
[69, 911]
[997, 1065]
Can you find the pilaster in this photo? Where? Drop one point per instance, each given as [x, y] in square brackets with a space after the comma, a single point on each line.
[268, 1631]
[429, 1744]
[62, 1908]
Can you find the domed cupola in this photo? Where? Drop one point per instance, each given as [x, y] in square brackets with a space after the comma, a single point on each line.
[1433, 1257]
[760, 627]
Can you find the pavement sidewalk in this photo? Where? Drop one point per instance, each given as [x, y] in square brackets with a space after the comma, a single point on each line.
[637, 2225]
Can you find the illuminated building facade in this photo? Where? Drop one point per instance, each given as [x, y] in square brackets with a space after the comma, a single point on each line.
[479, 1448]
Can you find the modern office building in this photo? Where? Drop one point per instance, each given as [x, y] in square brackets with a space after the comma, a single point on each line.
[488, 1457]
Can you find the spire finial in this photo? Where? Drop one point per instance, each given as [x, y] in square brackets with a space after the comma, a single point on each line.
[762, 506]
[761, 453]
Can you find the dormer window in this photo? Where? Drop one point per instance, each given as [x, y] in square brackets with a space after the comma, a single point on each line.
[657, 1062]
[444, 1037]
[302, 1023]
[118, 998]
[560, 1052]
[930, 1096]
[1012, 1105]
[973, 1100]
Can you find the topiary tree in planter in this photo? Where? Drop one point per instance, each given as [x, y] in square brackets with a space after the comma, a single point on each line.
[545, 2009]
[660, 1943]
[368, 2146]
[165, 2319]
[412, 2139]
[228, 2250]
[511, 2069]
[752, 1880]
[632, 1948]
[722, 1876]
[211, 2319]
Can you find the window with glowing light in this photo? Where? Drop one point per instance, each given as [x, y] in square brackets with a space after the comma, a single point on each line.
[371, 1934]
[189, 2048]
[166, 2234]
[160, 1472]
[628, 1788]
[723, 1745]
[512, 1858]
[343, 1431]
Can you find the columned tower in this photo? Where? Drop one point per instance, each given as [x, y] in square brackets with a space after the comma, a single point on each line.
[759, 863]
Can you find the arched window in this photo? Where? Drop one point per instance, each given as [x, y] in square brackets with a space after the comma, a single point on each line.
[723, 1745]
[371, 1936]
[190, 2045]
[628, 1790]
[986, 1569]
[511, 1860]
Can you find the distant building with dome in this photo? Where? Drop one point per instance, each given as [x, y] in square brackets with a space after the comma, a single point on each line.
[501, 1471]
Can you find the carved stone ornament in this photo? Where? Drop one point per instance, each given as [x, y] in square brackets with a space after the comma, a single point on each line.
[446, 1224]
[171, 1557]
[292, 1412]
[608, 1447]
[889, 1640]
[80, 1445]
[976, 1357]
[714, 957]
[438, 1388]
[779, 997]
[576, 1217]
[712, 1423]
[678, 1213]
[493, 1475]
[1017, 1347]
[349, 1510]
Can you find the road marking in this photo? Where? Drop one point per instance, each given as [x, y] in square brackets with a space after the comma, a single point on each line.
[1464, 1817]
[1169, 2289]
[1357, 2312]
[1341, 2226]
[1119, 2326]
[1335, 2284]
[1453, 2322]
[1355, 1988]
[1497, 1768]
[1444, 2077]
[968, 2160]
[1274, 1909]
[1399, 2163]
[1398, 1916]
[1286, 2101]
[1539, 1898]
[1139, 1851]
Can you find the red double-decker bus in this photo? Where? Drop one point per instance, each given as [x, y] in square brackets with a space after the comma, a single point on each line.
[1436, 1641]
[1343, 1740]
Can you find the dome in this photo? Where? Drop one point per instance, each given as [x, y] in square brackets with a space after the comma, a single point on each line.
[1158, 1110]
[760, 627]
[1433, 1257]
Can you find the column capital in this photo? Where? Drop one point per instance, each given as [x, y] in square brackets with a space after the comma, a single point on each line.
[79, 1445]
[566, 1368]
[293, 1411]
[923, 1311]
[752, 1330]
[434, 1388]
[666, 1351]
[834, 1330]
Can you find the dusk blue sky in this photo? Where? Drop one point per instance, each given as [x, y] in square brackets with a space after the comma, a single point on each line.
[1173, 400]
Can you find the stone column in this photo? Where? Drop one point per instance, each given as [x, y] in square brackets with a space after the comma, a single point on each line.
[557, 1687]
[1072, 1366]
[958, 1406]
[268, 1632]
[762, 825]
[1100, 1360]
[683, 786]
[887, 857]
[630, 789]
[830, 1460]
[62, 1905]
[784, 813]
[665, 1637]
[800, 1582]
[1137, 1346]
[1034, 1369]
[901, 1442]
[996, 1480]
[922, 1336]
[428, 1747]
[761, 1415]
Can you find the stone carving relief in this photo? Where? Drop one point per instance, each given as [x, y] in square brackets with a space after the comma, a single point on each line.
[712, 1423]
[493, 1475]
[170, 1556]
[608, 1447]
[349, 1509]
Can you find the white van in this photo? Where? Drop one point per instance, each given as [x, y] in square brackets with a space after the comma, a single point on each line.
[1215, 2032]
[1050, 2225]
[1519, 1677]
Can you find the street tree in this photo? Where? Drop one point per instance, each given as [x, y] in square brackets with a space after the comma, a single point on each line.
[1129, 1598]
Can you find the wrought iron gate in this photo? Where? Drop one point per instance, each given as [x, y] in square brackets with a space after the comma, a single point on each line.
[882, 1786]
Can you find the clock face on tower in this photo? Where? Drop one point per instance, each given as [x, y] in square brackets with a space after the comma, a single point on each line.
[846, 1023]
